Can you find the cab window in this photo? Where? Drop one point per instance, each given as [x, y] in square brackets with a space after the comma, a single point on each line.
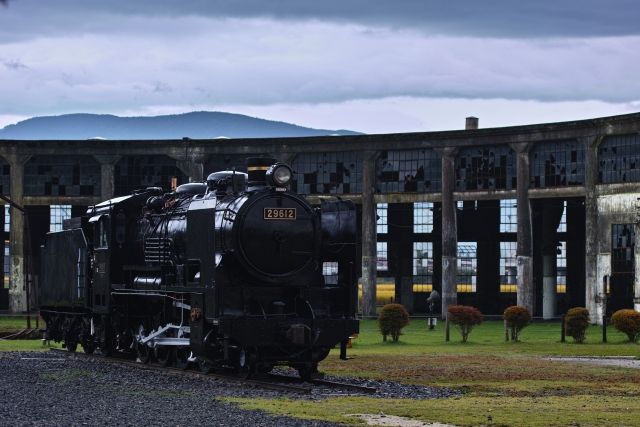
[102, 240]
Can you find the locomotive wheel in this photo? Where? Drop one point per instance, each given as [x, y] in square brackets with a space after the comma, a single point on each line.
[306, 372]
[71, 346]
[205, 367]
[245, 363]
[88, 348]
[105, 348]
[182, 357]
[164, 355]
[143, 350]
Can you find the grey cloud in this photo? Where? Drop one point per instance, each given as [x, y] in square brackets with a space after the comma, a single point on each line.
[13, 64]
[312, 63]
[269, 62]
[490, 18]
[162, 88]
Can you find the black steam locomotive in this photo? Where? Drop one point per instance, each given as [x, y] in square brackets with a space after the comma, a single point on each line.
[227, 273]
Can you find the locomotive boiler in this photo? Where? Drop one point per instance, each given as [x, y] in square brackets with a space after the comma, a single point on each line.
[227, 273]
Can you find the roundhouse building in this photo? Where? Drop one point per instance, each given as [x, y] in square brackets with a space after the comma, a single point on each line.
[543, 216]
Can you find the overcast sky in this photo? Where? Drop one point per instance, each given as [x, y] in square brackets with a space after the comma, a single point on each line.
[367, 65]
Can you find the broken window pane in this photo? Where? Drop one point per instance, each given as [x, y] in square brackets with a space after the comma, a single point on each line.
[486, 168]
[62, 176]
[618, 159]
[327, 173]
[409, 171]
[557, 164]
[136, 172]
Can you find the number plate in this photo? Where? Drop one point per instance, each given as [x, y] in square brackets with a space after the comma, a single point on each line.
[279, 213]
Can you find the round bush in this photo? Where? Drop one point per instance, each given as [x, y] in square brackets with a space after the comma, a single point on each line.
[576, 323]
[627, 322]
[392, 318]
[517, 317]
[464, 318]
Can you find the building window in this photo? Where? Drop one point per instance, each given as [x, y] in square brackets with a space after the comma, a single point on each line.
[508, 267]
[330, 272]
[7, 218]
[423, 217]
[422, 266]
[7, 260]
[619, 159]
[556, 164]
[508, 216]
[58, 214]
[227, 162]
[62, 176]
[562, 227]
[409, 171]
[382, 225]
[561, 269]
[623, 244]
[327, 173]
[382, 262]
[5, 177]
[467, 266]
[139, 172]
[486, 168]
[471, 204]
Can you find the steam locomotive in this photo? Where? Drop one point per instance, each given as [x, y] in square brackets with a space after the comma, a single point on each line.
[227, 274]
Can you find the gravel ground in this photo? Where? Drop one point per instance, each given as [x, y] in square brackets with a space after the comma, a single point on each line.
[386, 389]
[46, 388]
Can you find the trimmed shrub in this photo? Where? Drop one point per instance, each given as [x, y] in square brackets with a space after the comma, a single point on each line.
[627, 322]
[576, 323]
[517, 317]
[392, 318]
[464, 318]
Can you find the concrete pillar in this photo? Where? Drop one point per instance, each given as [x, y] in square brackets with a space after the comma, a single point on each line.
[369, 237]
[636, 294]
[449, 232]
[193, 170]
[595, 292]
[107, 185]
[406, 293]
[17, 291]
[549, 264]
[524, 248]
[551, 216]
[193, 166]
[549, 286]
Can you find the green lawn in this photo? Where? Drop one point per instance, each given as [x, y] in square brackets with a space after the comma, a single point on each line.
[16, 324]
[541, 339]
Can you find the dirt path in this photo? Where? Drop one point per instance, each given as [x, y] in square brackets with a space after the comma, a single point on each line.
[615, 361]
[393, 421]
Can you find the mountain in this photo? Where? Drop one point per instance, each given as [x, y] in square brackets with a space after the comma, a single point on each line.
[196, 125]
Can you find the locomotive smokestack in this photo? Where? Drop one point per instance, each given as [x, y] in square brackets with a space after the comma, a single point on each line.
[257, 168]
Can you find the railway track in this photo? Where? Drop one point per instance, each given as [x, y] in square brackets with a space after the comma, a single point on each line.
[275, 382]
[352, 387]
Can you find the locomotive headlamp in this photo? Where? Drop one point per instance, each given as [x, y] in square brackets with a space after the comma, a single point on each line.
[279, 175]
